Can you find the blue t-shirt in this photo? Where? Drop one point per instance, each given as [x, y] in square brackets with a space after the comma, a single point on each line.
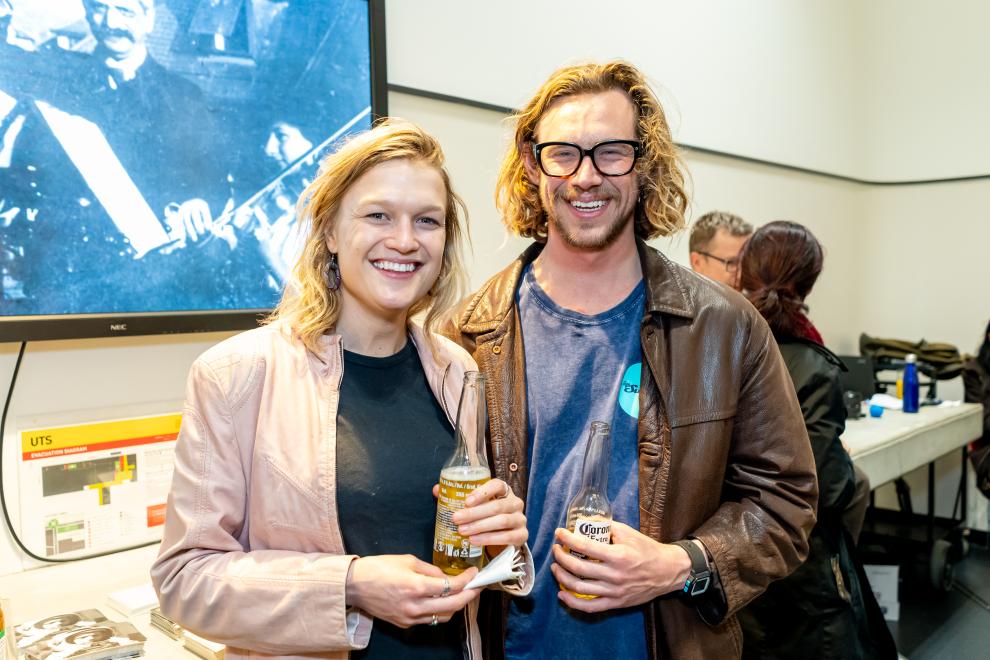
[579, 369]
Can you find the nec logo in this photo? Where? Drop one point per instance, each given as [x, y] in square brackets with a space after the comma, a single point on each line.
[118, 327]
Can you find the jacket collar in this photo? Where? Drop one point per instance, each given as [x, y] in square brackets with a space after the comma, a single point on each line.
[829, 356]
[665, 290]
[330, 354]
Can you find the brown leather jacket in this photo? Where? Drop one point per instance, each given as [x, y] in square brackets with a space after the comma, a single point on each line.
[724, 456]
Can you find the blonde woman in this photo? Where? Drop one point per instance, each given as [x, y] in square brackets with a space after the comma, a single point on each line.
[301, 510]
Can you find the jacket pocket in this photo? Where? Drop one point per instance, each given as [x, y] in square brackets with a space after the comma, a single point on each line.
[702, 440]
[702, 417]
[290, 509]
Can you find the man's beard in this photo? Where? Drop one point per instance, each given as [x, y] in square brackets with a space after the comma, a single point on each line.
[599, 242]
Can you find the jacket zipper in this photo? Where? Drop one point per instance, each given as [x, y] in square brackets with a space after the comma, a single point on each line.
[467, 633]
[336, 473]
[443, 396]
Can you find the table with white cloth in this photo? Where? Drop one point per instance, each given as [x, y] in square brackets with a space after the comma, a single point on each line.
[890, 446]
[896, 443]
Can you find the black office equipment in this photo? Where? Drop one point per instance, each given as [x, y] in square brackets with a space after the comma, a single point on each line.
[859, 376]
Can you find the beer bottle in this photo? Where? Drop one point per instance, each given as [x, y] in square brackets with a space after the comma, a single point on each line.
[465, 470]
[589, 513]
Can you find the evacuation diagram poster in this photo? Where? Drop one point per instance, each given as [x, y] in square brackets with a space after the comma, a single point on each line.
[93, 487]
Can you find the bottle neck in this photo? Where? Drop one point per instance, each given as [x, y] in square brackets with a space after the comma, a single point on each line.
[594, 474]
[472, 422]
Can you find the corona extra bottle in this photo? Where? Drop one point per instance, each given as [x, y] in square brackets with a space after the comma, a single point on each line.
[589, 513]
[465, 470]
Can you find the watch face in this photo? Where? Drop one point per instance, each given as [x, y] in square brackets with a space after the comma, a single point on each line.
[700, 578]
[699, 585]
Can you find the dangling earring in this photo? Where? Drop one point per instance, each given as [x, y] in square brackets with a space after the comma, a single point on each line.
[332, 273]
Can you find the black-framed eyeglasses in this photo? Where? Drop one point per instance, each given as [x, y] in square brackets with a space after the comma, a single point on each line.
[731, 265]
[610, 158]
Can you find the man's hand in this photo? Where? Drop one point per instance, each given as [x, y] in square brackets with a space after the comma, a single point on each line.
[189, 221]
[633, 570]
[192, 222]
[280, 241]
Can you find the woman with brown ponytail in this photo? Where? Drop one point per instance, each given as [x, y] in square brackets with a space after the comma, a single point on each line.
[825, 609]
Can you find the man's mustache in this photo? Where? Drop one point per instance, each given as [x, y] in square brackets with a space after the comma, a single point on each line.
[116, 32]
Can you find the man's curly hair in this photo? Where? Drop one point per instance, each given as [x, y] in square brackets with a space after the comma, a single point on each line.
[662, 197]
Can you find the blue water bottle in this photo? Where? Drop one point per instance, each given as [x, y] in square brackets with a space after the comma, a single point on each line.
[911, 385]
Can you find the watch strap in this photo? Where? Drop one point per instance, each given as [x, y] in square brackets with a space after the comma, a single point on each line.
[701, 576]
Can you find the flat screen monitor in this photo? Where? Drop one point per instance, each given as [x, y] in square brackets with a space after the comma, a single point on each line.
[152, 153]
[859, 375]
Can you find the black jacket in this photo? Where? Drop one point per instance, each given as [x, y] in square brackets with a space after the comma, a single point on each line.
[825, 609]
[976, 379]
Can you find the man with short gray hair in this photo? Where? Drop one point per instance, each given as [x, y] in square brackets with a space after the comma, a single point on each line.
[717, 239]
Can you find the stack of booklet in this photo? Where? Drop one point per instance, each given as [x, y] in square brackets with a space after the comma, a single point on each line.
[203, 647]
[82, 635]
[165, 624]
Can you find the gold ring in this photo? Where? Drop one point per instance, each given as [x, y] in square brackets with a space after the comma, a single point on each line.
[434, 621]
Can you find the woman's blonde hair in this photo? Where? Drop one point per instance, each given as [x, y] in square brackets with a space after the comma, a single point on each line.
[662, 197]
[308, 304]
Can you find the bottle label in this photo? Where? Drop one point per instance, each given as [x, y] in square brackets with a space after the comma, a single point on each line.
[455, 485]
[596, 529]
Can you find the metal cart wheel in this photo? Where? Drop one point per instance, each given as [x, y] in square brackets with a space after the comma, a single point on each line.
[940, 565]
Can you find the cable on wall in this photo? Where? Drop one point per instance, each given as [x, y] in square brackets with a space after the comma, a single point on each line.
[3, 498]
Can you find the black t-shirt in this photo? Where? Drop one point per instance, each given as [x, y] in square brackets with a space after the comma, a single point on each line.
[392, 439]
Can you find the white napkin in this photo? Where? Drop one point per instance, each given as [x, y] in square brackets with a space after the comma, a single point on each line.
[508, 565]
[886, 401]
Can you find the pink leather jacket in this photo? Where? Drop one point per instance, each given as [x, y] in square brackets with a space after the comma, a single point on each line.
[252, 554]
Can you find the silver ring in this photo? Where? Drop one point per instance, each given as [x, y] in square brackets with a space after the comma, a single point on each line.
[446, 588]
[506, 492]
[434, 621]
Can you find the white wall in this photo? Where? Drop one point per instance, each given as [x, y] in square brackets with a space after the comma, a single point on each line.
[767, 79]
[883, 90]
[928, 272]
[924, 95]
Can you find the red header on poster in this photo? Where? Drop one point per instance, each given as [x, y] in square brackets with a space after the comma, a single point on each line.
[98, 446]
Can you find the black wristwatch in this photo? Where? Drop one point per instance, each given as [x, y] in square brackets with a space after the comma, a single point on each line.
[701, 577]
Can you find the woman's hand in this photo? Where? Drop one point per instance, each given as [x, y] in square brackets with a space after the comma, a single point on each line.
[493, 517]
[406, 591]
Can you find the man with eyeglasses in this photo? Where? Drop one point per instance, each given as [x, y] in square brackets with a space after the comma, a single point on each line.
[711, 478]
[717, 240]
